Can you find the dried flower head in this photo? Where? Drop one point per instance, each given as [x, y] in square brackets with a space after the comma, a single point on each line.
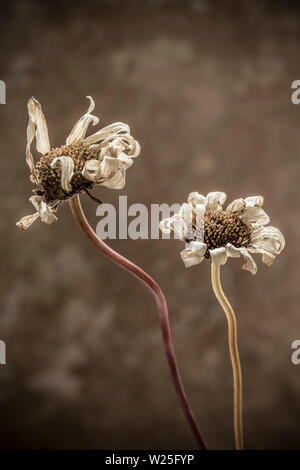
[211, 232]
[61, 173]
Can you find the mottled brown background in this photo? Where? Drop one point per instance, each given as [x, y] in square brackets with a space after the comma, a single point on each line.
[206, 89]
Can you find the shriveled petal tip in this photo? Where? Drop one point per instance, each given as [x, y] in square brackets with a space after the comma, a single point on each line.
[92, 170]
[92, 104]
[27, 221]
[36, 117]
[175, 224]
[108, 134]
[215, 200]
[165, 225]
[78, 132]
[191, 257]
[117, 181]
[255, 216]
[252, 201]
[269, 242]
[234, 252]
[218, 255]
[43, 209]
[67, 171]
[196, 198]
[103, 172]
[236, 206]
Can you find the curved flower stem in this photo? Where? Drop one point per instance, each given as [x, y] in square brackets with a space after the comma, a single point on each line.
[161, 306]
[234, 354]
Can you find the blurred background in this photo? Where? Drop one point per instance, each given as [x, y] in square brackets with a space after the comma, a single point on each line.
[206, 89]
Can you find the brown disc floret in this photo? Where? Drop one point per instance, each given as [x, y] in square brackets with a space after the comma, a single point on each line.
[50, 177]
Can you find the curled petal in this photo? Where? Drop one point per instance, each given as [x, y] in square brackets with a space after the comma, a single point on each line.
[44, 210]
[131, 145]
[36, 117]
[108, 133]
[110, 172]
[92, 170]
[235, 252]
[109, 166]
[37, 127]
[236, 206]
[117, 181]
[26, 221]
[215, 200]
[255, 216]
[29, 157]
[174, 224]
[115, 137]
[193, 254]
[178, 223]
[100, 172]
[196, 198]
[67, 171]
[78, 132]
[125, 160]
[252, 201]
[267, 241]
[218, 255]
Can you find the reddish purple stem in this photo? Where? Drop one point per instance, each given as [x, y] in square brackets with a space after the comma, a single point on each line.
[160, 300]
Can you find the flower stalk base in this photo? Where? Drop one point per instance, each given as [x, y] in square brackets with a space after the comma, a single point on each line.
[162, 308]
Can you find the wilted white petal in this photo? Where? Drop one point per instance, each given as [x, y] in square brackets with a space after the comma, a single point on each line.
[267, 241]
[117, 181]
[109, 172]
[255, 215]
[193, 254]
[250, 264]
[232, 251]
[100, 172]
[109, 166]
[218, 255]
[196, 198]
[200, 247]
[176, 223]
[29, 157]
[92, 170]
[67, 171]
[108, 133]
[125, 160]
[79, 130]
[36, 116]
[235, 252]
[179, 226]
[26, 221]
[44, 211]
[166, 226]
[254, 201]
[215, 200]
[133, 147]
[115, 148]
[186, 213]
[236, 206]
[36, 127]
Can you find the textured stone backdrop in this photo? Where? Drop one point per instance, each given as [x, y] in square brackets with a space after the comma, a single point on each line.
[205, 87]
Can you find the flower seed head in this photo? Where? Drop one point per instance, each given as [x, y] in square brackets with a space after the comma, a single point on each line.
[50, 176]
[221, 227]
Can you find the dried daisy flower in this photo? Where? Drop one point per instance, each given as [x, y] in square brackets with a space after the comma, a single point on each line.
[216, 234]
[79, 165]
[63, 173]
